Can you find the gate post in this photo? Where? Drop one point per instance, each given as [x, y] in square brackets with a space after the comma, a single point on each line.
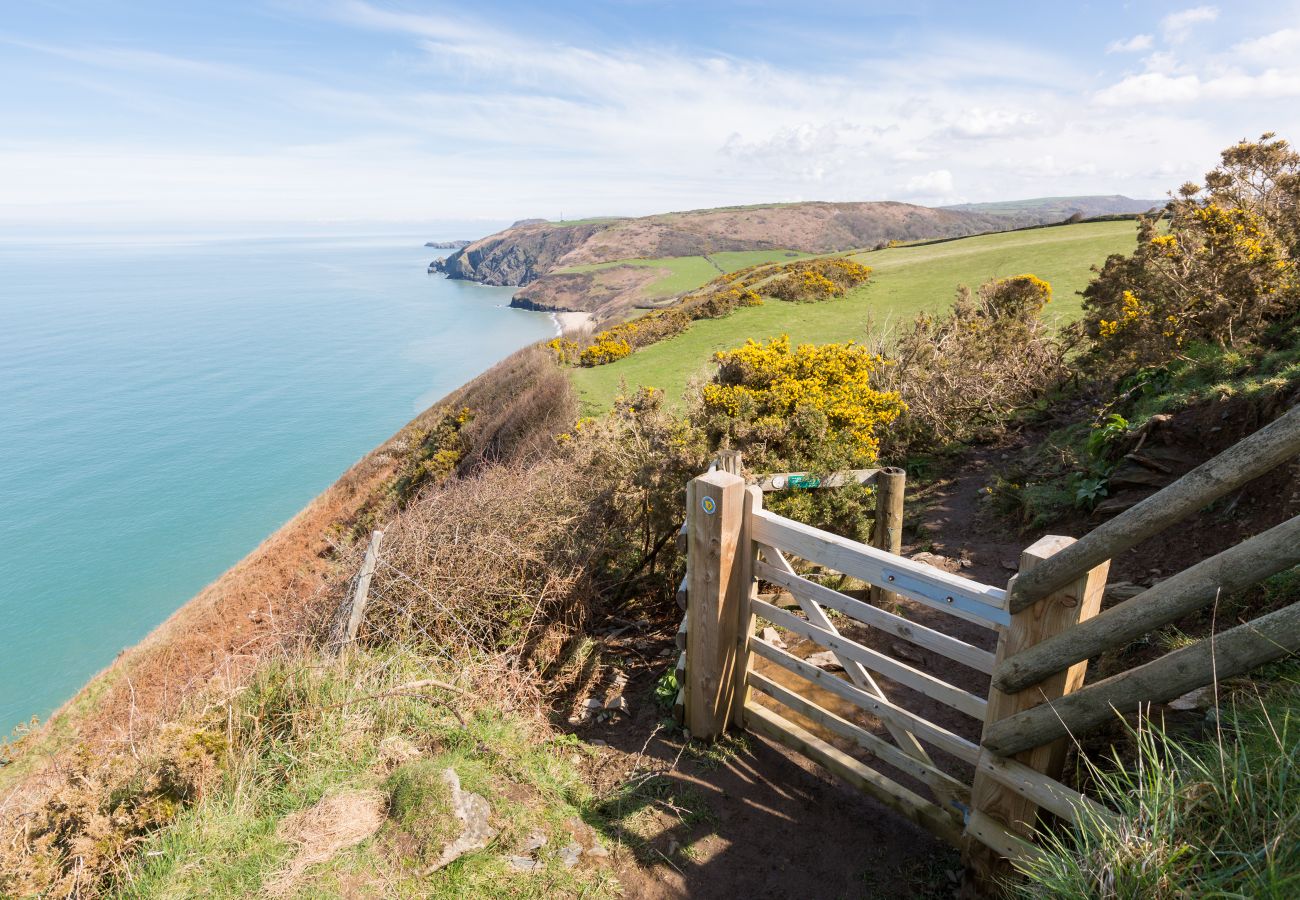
[1057, 612]
[887, 531]
[715, 515]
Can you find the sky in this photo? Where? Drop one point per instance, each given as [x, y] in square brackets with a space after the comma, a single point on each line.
[279, 116]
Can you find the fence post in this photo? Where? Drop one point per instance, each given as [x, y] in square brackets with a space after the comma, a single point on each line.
[747, 553]
[343, 632]
[1057, 612]
[730, 461]
[715, 514]
[887, 532]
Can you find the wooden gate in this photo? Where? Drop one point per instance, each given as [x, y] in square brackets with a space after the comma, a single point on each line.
[987, 795]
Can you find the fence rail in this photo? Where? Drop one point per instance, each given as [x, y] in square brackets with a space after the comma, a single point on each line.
[1048, 621]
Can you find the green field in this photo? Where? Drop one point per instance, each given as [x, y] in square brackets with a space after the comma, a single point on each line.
[906, 280]
[689, 272]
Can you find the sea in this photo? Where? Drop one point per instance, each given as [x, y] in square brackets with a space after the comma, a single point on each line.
[165, 404]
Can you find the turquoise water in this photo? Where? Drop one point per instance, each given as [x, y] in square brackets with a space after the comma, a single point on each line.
[165, 407]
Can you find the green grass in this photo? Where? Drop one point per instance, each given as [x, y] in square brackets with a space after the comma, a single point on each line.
[906, 281]
[307, 729]
[1197, 818]
[686, 273]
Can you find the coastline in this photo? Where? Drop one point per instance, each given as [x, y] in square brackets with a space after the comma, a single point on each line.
[567, 322]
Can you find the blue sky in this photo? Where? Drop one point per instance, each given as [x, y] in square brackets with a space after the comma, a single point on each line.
[371, 114]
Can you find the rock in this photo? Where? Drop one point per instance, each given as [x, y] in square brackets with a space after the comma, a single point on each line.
[769, 634]
[1120, 591]
[593, 703]
[673, 847]
[570, 855]
[1132, 474]
[596, 850]
[617, 704]
[939, 562]
[598, 743]
[825, 660]
[536, 841]
[525, 864]
[1201, 698]
[473, 812]
[1010, 565]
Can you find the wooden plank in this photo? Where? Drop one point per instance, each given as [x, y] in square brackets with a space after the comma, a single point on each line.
[345, 632]
[993, 835]
[683, 590]
[1232, 570]
[1049, 616]
[716, 508]
[781, 480]
[887, 532]
[858, 674]
[919, 681]
[908, 803]
[1233, 652]
[934, 587]
[887, 712]
[746, 559]
[1244, 461]
[913, 632]
[1046, 792]
[680, 637]
[874, 745]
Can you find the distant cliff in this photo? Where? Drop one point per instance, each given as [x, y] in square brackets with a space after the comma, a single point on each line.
[533, 248]
[447, 245]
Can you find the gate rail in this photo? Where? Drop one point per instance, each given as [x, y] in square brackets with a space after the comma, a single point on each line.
[1048, 622]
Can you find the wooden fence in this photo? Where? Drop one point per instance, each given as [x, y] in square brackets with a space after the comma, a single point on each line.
[1048, 624]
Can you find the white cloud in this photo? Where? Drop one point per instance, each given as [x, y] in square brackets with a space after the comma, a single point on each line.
[1149, 88]
[1177, 26]
[1279, 48]
[1134, 44]
[930, 185]
[986, 123]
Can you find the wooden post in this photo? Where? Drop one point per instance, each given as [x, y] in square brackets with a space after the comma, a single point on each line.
[344, 632]
[1051, 615]
[887, 533]
[730, 461]
[716, 511]
[747, 557]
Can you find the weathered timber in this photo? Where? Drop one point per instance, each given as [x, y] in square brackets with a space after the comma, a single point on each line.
[931, 586]
[715, 509]
[913, 632]
[1221, 656]
[1060, 610]
[345, 629]
[782, 481]
[878, 747]
[1232, 570]
[858, 673]
[887, 532]
[1046, 792]
[882, 709]
[1244, 461]
[919, 681]
[908, 803]
[746, 559]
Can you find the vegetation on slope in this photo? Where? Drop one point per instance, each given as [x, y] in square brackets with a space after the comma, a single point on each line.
[905, 281]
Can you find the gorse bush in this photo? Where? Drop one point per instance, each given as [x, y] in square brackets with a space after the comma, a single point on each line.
[1223, 267]
[810, 280]
[808, 408]
[964, 375]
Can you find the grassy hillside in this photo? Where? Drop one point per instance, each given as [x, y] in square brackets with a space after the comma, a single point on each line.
[686, 273]
[906, 280]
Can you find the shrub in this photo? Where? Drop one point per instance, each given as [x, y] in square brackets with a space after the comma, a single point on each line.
[964, 374]
[604, 351]
[811, 408]
[1222, 271]
[810, 280]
